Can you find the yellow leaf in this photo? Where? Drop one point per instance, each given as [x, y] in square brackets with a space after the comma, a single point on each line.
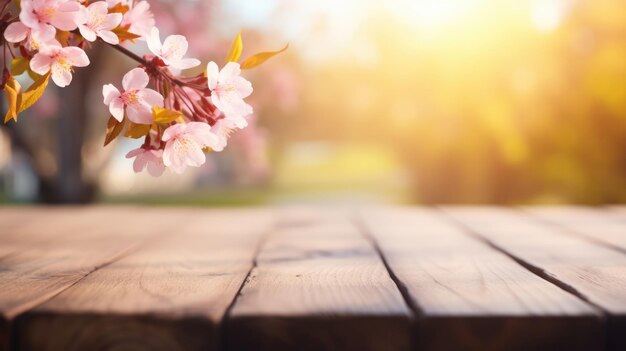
[19, 65]
[235, 49]
[136, 131]
[114, 128]
[119, 8]
[34, 92]
[163, 115]
[261, 57]
[33, 75]
[63, 37]
[123, 34]
[13, 91]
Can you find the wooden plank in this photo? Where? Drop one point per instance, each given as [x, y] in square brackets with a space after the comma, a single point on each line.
[21, 226]
[319, 285]
[594, 272]
[44, 257]
[169, 295]
[598, 226]
[471, 297]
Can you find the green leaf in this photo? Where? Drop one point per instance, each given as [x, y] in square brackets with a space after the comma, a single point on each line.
[235, 49]
[261, 57]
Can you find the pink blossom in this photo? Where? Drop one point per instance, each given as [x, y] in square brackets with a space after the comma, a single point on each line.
[136, 99]
[44, 14]
[172, 50]
[184, 144]
[17, 32]
[95, 21]
[223, 128]
[60, 60]
[139, 18]
[150, 159]
[228, 89]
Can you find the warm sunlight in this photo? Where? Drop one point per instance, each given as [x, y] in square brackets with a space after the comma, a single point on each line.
[430, 14]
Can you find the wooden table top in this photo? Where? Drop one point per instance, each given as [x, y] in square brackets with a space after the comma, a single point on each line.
[386, 278]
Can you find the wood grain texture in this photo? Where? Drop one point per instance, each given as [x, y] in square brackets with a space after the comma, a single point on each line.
[471, 297]
[54, 248]
[592, 271]
[168, 295]
[599, 226]
[319, 285]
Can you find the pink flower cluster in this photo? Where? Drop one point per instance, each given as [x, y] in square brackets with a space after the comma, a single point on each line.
[180, 117]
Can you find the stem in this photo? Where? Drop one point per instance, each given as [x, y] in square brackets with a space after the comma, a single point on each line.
[5, 6]
[130, 54]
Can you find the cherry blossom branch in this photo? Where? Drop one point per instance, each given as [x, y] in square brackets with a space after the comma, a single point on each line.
[180, 120]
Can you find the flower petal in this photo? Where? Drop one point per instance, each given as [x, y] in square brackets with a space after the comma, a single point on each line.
[116, 108]
[109, 92]
[112, 20]
[140, 163]
[135, 79]
[151, 97]
[173, 131]
[109, 37]
[27, 15]
[135, 152]
[154, 41]
[99, 8]
[230, 71]
[16, 32]
[212, 74]
[195, 155]
[87, 33]
[40, 63]
[174, 48]
[139, 113]
[156, 169]
[76, 56]
[242, 87]
[61, 76]
[185, 63]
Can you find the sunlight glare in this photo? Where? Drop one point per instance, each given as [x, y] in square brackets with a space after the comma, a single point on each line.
[547, 15]
[430, 14]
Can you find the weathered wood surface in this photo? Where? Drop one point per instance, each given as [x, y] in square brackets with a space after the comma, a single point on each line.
[470, 296]
[53, 249]
[170, 295]
[136, 278]
[593, 272]
[319, 285]
[600, 226]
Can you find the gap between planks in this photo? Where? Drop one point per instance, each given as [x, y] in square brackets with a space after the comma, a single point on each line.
[223, 327]
[591, 272]
[536, 270]
[309, 290]
[445, 321]
[170, 294]
[592, 225]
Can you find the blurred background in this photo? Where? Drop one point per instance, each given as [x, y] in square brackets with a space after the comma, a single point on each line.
[398, 101]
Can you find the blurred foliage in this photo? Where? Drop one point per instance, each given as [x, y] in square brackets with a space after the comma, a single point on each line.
[489, 109]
